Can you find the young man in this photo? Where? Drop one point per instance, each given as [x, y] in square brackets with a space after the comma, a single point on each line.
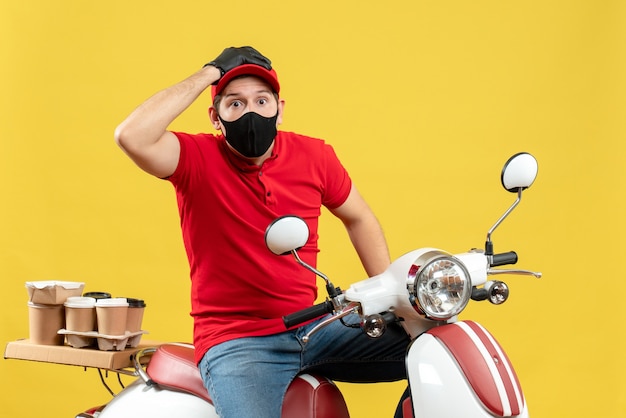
[229, 188]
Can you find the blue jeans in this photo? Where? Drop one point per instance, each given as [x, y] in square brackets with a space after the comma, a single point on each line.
[248, 377]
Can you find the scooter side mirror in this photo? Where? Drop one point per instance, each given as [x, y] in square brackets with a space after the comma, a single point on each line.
[286, 234]
[519, 172]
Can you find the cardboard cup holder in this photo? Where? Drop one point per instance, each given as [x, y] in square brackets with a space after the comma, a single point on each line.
[104, 342]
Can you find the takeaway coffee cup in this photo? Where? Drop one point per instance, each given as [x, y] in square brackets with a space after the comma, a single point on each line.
[111, 315]
[80, 314]
[97, 296]
[135, 314]
[44, 322]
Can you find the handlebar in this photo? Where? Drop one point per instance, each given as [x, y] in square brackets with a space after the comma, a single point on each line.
[304, 315]
[504, 259]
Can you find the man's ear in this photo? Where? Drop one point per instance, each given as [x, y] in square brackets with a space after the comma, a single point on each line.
[214, 118]
[281, 109]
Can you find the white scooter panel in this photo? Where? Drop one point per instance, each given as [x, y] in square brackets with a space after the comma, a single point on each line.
[460, 370]
[140, 400]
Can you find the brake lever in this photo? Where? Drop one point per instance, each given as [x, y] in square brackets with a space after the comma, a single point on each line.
[351, 308]
[537, 274]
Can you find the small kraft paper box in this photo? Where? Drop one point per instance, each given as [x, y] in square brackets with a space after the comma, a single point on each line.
[53, 292]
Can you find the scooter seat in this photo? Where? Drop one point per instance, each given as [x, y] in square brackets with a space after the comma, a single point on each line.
[172, 366]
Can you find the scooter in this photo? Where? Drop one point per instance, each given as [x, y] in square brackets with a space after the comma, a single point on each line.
[454, 367]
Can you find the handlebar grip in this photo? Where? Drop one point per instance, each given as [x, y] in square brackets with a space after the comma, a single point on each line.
[308, 313]
[503, 259]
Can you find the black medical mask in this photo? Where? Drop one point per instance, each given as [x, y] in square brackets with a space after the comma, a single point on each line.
[252, 134]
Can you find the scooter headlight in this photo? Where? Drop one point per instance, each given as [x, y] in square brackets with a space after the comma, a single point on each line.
[442, 288]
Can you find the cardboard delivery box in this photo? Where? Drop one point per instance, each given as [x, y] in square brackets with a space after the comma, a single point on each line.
[63, 354]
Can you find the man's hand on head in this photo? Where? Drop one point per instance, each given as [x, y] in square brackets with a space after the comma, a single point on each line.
[235, 56]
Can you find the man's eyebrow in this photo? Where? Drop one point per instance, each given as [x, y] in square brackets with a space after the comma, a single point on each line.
[260, 91]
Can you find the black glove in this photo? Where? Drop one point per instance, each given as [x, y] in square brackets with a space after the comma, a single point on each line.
[233, 57]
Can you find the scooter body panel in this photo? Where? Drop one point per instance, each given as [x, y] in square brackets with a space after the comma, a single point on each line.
[451, 376]
[140, 400]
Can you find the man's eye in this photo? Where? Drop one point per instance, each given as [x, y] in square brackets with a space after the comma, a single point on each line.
[262, 101]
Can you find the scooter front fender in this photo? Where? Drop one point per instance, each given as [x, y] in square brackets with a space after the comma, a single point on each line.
[460, 369]
[141, 400]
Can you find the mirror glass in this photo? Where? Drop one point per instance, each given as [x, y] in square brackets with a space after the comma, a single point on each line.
[519, 171]
[286, 234]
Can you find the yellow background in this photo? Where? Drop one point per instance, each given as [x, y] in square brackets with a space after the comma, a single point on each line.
[422, 100]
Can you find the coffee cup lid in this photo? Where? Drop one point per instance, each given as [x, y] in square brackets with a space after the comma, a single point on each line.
[136, 303]
[97, 295]
[111, 302]
[80, 302]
